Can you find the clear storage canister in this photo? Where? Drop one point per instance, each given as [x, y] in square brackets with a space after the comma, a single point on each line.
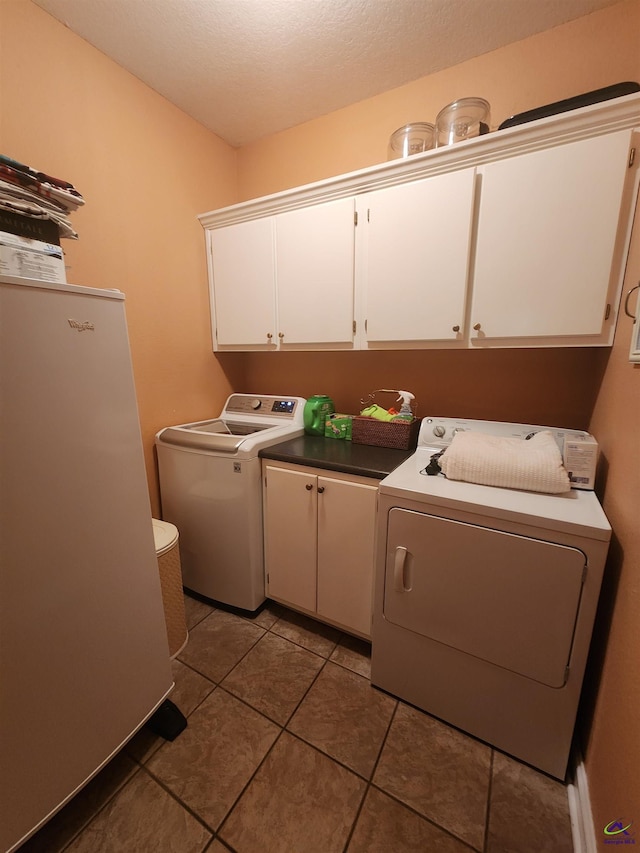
[411, 139]
[462, 119]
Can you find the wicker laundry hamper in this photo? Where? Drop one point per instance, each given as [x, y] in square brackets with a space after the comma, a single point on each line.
[168, 554]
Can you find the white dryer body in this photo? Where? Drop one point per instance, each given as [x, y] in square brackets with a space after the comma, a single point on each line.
[484, 606]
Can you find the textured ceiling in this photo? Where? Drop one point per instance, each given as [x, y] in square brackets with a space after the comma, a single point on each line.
[249, 68]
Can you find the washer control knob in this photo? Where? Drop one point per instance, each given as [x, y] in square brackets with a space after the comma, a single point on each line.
[439, 431]
[255, 404]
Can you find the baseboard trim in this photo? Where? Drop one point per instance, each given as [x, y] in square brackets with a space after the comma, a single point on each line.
[584, 838]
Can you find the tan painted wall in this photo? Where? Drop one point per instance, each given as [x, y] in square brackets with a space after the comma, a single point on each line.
[556, 386]
[145, 170]
[613, 743]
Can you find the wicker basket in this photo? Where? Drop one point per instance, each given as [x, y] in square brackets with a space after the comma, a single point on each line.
[168, 556]
[397, 434]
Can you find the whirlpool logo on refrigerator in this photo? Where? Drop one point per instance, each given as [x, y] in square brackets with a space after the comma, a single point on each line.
[81, 327]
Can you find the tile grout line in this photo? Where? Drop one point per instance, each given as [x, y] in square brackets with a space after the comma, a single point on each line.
[370, 779]
[273, 745]
[247, 783]
[180, 802]
[392, 796]
[488, 809]
[90, 820]
[202, 675]
[217, 683]
[425, 818]
[221, 841]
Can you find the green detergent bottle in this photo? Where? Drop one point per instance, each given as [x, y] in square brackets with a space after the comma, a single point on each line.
[316, 410]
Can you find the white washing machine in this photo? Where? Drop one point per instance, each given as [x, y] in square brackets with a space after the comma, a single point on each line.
[210, 487]
[485, 599]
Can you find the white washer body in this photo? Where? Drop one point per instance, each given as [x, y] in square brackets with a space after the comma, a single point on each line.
[485, 600]
[210, 485]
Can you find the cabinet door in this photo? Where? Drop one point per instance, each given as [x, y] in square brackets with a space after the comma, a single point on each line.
[290, 516]
[546, 241]
[314, 264]
[242, 283]
[417, 257]
[346, 530]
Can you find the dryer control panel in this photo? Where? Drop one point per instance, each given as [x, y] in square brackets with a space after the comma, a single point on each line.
[438, 431]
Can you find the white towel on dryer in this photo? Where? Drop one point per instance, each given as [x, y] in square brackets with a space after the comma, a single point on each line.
[533, 464]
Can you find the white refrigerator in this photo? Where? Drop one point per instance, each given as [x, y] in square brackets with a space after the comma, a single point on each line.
[84, 659]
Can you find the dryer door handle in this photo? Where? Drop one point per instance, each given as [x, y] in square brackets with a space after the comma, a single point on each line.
[399, 566]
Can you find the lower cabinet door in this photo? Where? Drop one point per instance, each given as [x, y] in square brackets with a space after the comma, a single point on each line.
[290, 511]
[346, 529]
[319, 543]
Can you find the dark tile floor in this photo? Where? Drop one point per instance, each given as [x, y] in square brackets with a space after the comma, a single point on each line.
[289, 749]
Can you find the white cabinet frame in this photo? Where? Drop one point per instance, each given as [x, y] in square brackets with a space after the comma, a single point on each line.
[592, 121]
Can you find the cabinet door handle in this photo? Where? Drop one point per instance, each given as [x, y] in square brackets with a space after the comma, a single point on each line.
[269, 336]
[308, 487]
[281, 335]
[398, 570]
[455, 328]
[626, 302]
[320, 489]
[477, 327]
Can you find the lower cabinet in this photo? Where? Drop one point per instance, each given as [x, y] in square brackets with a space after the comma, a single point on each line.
[319, 543]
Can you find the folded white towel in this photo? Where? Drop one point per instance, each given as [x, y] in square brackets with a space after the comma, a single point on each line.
[534, 465]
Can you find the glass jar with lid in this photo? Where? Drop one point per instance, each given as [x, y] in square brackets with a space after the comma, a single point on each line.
[411, 139]
[462, 119]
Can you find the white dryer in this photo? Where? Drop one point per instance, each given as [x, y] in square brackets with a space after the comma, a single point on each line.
[485, 599]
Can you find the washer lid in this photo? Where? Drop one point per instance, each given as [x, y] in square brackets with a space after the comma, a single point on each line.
[217, 434]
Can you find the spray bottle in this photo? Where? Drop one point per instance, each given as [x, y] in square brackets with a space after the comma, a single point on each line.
[405, 413]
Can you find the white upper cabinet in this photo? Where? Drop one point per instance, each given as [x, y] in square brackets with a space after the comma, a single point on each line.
[284, 280]
[314, 273]
[515, 238]
[547, 230]
[416, 257]
[242, 284]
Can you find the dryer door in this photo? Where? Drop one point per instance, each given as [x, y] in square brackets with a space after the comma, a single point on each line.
[507, 599]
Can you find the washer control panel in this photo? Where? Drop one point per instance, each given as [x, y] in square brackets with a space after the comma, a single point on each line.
[266, 406]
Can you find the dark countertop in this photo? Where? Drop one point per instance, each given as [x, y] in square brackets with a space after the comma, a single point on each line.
[337, 455]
